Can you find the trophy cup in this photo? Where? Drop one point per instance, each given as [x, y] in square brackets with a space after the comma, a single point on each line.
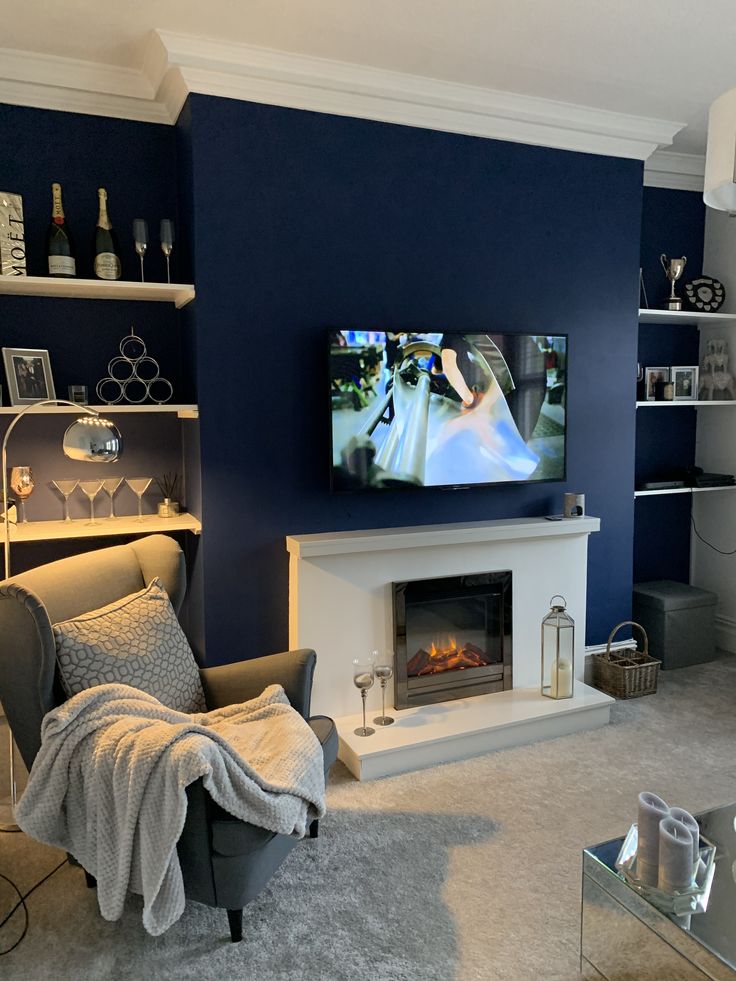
[673, 269]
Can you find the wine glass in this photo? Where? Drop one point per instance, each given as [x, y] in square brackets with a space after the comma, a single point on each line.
[110, 486]
[363, 678]
[22, 483]
[140, 234]
[139, 486]
[167, 242]
[66, 488]
[90, 489]
[384, 671]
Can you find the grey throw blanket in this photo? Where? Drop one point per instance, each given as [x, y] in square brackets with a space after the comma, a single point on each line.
[108, 785]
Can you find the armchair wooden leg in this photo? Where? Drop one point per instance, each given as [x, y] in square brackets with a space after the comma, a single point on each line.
[235, 922]
[90, 880]
[314, 829]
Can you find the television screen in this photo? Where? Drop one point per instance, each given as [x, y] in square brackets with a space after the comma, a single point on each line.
[446, 409]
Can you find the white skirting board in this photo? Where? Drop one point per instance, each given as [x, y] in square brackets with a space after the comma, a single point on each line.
[467, 727]
[726, 634]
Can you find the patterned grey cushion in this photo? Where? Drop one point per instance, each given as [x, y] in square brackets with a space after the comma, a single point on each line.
[135, 641]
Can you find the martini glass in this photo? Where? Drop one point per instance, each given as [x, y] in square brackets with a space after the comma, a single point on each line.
[22, 483]
[90, 489]
[66, 488]
[384, 671]
[363, 678]
[139, 486]
[110, 486]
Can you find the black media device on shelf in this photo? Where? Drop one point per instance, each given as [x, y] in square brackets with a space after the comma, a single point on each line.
[446, 409]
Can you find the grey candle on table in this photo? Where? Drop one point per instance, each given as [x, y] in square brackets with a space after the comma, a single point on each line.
[675, 856]
[679, 814]
[652, 809]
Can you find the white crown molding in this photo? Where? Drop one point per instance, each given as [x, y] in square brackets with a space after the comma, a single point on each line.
[678, 171]
[175, 65]
[241, 71]
[70, 85]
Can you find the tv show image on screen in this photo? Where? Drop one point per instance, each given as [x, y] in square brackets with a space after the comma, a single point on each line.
[446, 409]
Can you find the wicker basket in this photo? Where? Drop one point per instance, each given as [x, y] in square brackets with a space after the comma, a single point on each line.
[629, 672]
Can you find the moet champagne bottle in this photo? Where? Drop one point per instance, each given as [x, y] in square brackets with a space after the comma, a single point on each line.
[107, 251]
[59, 244]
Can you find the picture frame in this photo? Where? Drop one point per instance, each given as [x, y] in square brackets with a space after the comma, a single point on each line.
[652, 375]
[685, 379]
[28, 373]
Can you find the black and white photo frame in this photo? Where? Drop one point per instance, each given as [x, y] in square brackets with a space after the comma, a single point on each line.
[28, 373]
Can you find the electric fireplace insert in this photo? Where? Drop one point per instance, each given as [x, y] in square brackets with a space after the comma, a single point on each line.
[452, 637]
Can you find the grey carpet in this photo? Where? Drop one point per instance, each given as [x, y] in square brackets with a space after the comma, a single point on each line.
[463, 872]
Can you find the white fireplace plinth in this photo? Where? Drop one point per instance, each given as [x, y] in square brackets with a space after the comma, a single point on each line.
[467, 727]
[340, 604]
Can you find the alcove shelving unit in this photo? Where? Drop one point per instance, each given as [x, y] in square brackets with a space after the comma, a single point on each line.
[91, 289]
[49, 531]
[182, 411]
[685, 318]
[97, 289]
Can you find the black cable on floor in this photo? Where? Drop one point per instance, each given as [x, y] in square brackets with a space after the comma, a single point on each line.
[703, 540]
[22, 903]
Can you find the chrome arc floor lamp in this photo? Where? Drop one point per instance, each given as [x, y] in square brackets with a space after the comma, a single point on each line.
[91, 439]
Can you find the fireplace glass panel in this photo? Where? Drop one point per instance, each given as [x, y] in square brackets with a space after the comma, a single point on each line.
[452, 637]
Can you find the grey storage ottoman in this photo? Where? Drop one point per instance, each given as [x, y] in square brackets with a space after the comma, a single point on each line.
[679, 621]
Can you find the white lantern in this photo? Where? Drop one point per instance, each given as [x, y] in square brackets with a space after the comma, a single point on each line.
[558, 651]
[720, 157]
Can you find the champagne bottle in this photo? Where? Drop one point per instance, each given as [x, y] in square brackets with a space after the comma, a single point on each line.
[107, 251]
[59, 244]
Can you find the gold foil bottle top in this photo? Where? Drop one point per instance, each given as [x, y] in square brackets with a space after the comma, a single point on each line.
[57, 209]
[103, 220]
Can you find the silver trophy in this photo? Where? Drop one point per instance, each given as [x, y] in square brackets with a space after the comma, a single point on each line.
[673, 269]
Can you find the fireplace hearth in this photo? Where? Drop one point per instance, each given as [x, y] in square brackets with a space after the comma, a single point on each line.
[452, 637]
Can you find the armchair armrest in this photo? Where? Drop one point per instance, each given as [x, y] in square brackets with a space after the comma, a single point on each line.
[232, 683]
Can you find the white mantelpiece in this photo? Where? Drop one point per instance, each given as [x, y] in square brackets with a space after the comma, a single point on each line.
[340, 595]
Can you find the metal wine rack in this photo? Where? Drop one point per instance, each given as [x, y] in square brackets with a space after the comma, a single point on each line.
[133, 376]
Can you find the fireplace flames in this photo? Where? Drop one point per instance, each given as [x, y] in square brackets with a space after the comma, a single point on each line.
[446, 654]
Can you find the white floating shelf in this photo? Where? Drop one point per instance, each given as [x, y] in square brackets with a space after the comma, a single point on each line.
[683, 490]
[182, 411]
[47, 531]
[97, 289]
[685, 402]
[685, 318]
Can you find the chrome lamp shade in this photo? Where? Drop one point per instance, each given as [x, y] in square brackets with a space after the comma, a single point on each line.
[93, 440]
[720, 158]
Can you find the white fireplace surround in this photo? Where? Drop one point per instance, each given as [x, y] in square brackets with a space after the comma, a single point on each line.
[340, 604]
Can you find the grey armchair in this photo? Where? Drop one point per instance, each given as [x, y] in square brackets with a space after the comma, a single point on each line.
[225, 862]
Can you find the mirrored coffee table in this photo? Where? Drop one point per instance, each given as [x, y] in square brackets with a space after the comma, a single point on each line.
[624, 938]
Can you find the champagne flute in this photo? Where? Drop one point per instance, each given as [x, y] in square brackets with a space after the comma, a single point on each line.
[384, 671]
[90, 489]
[110, 486]
[139, 486]
[140, 234]
[363, 678]
[66, 488]
[167, 242]
[22, 483]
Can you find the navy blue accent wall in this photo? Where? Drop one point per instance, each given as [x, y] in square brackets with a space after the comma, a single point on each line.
[305, 221]
[673, 222]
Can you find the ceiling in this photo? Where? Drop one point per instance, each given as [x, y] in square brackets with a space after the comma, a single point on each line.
[664, 60]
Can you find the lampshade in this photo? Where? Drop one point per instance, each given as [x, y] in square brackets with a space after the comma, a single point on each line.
[720, 157]
[93, 439]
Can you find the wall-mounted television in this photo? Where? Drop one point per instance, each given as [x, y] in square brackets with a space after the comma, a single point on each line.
[446, 409]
